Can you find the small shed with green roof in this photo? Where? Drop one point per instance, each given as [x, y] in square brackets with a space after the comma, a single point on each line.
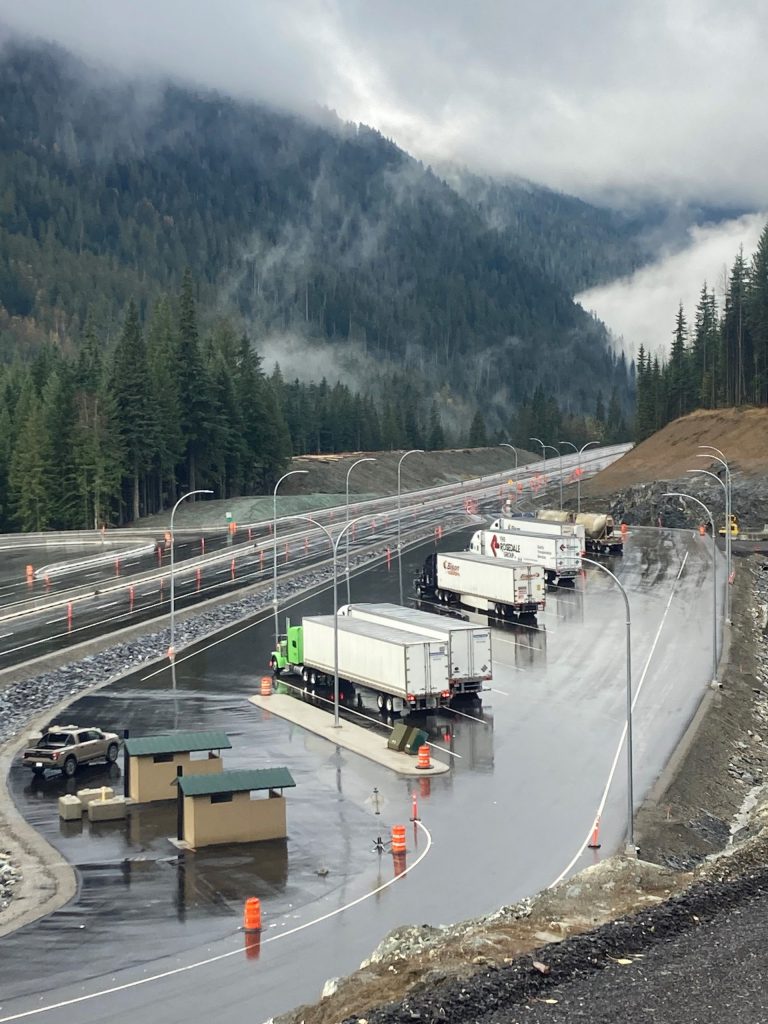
[152, 762]
[243, 806]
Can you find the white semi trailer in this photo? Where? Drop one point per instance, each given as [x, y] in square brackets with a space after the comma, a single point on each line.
[469, 646]
[560, 556]
[545, 527]
[405, 671]
[498, 586]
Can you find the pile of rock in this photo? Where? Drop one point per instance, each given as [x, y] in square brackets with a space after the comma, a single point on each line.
[10, 875]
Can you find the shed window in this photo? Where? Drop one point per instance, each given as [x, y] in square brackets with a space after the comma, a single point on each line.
[162, 758]
[221, 798]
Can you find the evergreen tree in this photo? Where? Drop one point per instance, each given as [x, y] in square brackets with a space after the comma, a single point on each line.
[477, 435]
[29, 465]
[132, 391]
[679, 380]
[757, 317]
[194, 395]
[436, 433]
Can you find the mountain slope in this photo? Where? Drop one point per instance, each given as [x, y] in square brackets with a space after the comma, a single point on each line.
[326, 240]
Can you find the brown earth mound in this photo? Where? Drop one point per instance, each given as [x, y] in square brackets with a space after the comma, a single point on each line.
[326, 474]
[742, 434]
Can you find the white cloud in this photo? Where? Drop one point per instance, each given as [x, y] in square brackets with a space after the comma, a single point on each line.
[665, 97]
[641, 309]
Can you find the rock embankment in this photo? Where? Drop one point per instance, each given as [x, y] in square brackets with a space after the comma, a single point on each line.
[10, 875]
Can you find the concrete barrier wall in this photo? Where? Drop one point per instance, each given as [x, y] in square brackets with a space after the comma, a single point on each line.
[240, 820]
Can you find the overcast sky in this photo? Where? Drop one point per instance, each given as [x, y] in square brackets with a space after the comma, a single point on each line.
[593, 97]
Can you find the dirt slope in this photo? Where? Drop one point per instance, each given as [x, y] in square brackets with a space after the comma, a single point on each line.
[326, 474]
[742, 434]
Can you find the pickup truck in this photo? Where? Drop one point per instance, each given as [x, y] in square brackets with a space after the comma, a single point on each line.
[66, 747]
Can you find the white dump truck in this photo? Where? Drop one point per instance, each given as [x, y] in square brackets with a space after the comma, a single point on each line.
[559, 555]
[498, 586]
[469, 646]
[599, 529]
[405, 671]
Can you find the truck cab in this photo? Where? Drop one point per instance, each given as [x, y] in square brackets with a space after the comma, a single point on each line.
[289, 653]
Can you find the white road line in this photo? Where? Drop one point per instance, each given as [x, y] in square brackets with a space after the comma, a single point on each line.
[223, 956]
[612, 772]
[4, 636]
[494, 690]
[109, 604]
[90, 575]
[51, 622]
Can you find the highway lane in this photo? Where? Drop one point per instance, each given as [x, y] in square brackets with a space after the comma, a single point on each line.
[115, 603]
[505, 822]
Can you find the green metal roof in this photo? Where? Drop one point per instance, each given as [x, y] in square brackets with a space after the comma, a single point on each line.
[176, 743]
[236, 781]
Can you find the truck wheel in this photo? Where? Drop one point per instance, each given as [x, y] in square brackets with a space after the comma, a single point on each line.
[419, 591]
[380, 701]
[390, 705]
[305, 676]
[112, 751]
[70, 766]
[313, 679]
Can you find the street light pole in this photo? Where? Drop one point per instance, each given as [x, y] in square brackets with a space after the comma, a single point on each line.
[691, 497]
[412, 451]
[543, 446]
[714, 476]
[506, 444]
[293, 472]
[172, 648]
[630, 774]
[582, 449]
[728, 509]
[555, 450]
[335, 548]
[357, 463]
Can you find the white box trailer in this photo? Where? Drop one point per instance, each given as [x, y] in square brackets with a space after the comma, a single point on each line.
[560, 556]
[406, 671]
[469, 646]
[494, 585]
[548, 528]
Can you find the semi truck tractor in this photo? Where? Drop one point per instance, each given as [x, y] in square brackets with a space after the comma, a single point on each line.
[599, 529]
[498, 586]
[404, 671]
[560, 556]
[469, 646]
[542, 526]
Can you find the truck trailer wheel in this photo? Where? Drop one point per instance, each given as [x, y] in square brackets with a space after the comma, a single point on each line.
[380, 701]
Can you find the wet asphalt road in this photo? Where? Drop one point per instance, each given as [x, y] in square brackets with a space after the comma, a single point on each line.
[506, 821]
[120, 597]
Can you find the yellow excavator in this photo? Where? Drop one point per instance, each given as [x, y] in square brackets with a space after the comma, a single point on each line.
[734, 528]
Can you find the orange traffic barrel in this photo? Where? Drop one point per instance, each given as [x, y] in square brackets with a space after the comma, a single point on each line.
[252, 914]
[30, 572]
[424, 760]
[266, 686]
[702, 529]
[624, 528]
[398, 839]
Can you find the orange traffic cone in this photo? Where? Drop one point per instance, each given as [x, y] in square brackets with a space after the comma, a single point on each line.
[594, 841]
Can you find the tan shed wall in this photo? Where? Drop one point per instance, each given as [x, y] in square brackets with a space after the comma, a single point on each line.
[240, 820]
[150, 781]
